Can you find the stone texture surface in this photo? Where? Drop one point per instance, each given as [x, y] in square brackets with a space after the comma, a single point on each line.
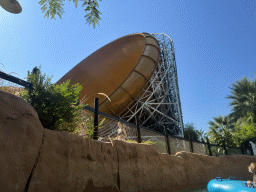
[21, 136]
[71, 163]
[62, 162]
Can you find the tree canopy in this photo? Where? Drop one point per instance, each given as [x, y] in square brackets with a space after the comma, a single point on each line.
[53, 7]
[243, 99]
[189, 128]
[221, 130]
[240, 124]
[245, 128]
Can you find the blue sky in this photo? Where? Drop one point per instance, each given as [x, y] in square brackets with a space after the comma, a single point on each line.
[214, 44]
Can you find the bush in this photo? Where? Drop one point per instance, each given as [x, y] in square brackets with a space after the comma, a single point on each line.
[53, 102]
[89, 124]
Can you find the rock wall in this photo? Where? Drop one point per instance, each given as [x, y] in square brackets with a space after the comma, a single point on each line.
[36, 159]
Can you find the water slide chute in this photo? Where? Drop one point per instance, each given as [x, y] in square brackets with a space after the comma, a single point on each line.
[120, 69]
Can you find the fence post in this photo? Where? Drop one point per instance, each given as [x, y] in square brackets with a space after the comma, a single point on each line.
[224, 146]
[31, 87]
[204, 145]
[242, 148]
[96, 118]
[167, 141]
[191, 143]
[138, 128]
[209, 146]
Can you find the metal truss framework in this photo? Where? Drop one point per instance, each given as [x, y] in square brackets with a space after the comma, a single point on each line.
[161, 106]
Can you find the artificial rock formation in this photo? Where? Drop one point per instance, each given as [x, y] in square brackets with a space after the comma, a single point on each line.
[36, 159]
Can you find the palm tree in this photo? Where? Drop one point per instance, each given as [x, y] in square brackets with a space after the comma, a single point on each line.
[201, 134]
[243, 99]
[222, 129]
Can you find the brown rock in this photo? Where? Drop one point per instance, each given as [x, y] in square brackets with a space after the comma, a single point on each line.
[138, 166]
[71, 163]
[21, 137]
[237, 166]
[201, 168]
[60, 161]
[65, 162]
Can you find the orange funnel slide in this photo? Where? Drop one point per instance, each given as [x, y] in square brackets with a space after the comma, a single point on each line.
[120, 70]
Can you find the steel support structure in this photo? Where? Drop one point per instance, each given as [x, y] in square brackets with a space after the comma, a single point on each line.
[159, 105]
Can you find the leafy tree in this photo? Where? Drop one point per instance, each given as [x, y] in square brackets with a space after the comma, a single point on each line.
[53, 102]
[53, 7]
[201, 134]
[245, 128]
[243, 99]
[190, 128]
[221, 129]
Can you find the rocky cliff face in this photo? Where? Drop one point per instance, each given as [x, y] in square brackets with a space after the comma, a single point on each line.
[36, 159]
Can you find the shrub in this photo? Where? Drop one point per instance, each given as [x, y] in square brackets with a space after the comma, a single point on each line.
[53, 102]
[89, 126]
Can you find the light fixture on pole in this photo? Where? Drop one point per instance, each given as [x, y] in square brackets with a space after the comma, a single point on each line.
[11, 6]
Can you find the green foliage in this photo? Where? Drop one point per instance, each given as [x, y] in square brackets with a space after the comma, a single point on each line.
[93, 16]
[189, 128]
[241, 123]
[216, 151]
[243, 99]
[89, 126]
[245, 128]
[201, 135]
[221, 129]
[53, 103]
[53, 7]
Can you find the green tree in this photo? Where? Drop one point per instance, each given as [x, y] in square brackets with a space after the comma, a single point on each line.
[53, 7]
[243, 99]
[201, 134]
[190, 128]
[53, 103]
[220, 130]
[245, 128]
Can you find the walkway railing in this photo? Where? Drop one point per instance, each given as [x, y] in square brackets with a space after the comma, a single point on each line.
[163, 142]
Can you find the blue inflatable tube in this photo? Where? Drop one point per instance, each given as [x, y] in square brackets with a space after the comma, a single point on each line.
[229, 185]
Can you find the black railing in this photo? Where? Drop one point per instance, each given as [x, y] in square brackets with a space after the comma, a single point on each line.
[138, 126]
[16, 80]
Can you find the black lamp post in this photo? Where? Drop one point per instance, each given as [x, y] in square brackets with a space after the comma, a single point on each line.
[11, 6]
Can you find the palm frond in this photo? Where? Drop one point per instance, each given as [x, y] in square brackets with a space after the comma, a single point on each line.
[243, 98]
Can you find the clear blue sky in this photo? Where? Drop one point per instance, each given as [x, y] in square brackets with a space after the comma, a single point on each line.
[214, 43]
